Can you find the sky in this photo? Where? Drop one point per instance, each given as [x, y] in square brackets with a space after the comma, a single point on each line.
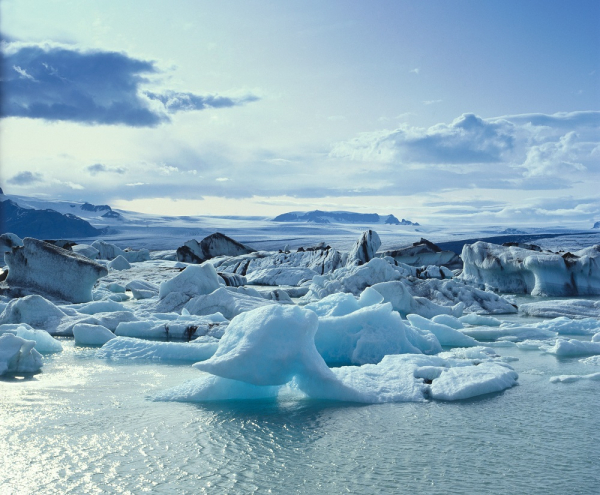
[440, 112]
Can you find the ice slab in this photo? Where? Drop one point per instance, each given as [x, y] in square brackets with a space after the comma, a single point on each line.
[130, 348]
[571, 308]
[574, 378]
[91, 335]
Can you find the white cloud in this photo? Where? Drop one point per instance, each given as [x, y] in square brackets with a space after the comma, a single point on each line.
[560, 157]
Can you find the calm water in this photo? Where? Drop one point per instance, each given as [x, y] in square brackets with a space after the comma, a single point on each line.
[86, 426]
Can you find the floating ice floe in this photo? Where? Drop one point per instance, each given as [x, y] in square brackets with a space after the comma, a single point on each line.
[448, 320]
[131, 348]
[33, 310]
[574, 378]
[91, 335]
[368, 334]
[86, 250]
[354, 279]
[179, 327]
[193, 281]
[52, 271]
[119, 263]
[453, 291]
[573, 347]
[592, 360]
[447, 336]
[508, 331]
[142, 289]
[397, 293]
[516, 270]
[226, 302]
[44, 342]
[18, 355]
[572, 308]
[281, 275]
[270, 347]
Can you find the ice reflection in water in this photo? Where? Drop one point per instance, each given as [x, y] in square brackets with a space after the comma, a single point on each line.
[85, 426]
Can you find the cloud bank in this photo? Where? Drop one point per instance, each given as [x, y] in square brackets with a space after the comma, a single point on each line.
[61, 83]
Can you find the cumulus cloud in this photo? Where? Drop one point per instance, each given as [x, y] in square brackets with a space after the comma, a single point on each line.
[555, 157]
[58, 82]
[25, 178]
[468, 139]
[98, 168]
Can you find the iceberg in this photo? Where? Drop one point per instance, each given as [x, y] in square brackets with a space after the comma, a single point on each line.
[405, 303]
[573, 347]
[91, 335]
[447, 336]
[42, 267]
[226, 302]
[44, 342]
[572, 308]
[523, 271]
[274, 346]
[574, 378]
[119, 263]
[367, 335]
[18, 355]
[192, 281]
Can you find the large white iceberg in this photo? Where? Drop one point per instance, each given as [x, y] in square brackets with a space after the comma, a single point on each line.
[274, 346]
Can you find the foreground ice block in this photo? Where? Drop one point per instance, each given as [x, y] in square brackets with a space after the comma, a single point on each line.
[44, 342]
[273, 347]
[18, 355]
[42, 267]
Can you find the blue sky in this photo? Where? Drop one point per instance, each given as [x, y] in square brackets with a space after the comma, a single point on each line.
[437, 111]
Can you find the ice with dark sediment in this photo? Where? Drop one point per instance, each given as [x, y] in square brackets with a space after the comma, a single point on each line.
[517, 270]
[52, 271]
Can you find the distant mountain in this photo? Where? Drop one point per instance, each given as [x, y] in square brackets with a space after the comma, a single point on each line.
[90, 207]
[596, 225]
[318, 216]
[42, 224]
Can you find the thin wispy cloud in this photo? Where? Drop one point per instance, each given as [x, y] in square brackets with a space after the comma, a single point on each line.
[99, 168]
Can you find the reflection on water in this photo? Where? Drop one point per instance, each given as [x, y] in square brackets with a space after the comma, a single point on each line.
[86, 426]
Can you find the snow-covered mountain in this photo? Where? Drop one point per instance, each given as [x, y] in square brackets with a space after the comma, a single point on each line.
[318, 216]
